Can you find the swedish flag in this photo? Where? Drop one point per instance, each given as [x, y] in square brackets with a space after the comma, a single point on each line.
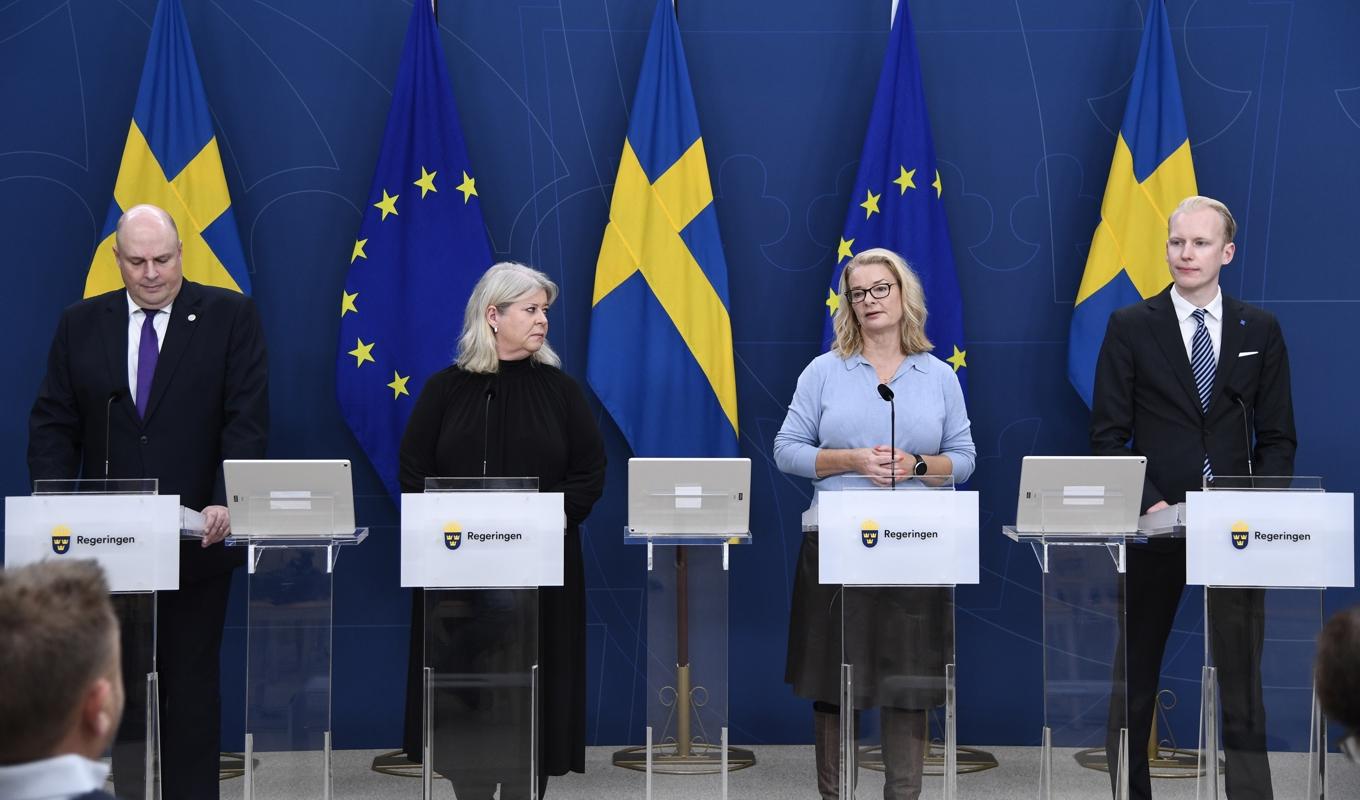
[660, 355]
[171, 160]
[1151, 173]
[897, 201]
[421, 247]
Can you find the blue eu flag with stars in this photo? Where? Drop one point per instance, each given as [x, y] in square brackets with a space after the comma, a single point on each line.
[897, 199]
[420, 249]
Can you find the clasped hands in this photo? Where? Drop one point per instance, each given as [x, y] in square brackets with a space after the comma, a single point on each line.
[881, 462]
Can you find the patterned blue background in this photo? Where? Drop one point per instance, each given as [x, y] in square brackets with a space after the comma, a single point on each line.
[1025, 97]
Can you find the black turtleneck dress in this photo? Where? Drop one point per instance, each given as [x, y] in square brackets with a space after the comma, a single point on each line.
[536, 424]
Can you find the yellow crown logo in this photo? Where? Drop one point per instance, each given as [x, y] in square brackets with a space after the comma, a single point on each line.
[868, 532]
[61, 540]
[453, 535]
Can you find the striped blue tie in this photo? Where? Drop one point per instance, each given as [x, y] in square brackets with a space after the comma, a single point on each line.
[1204, 365]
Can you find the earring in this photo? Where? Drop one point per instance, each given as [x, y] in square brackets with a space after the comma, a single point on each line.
[495, 330]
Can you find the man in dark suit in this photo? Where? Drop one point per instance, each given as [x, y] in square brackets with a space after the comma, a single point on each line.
[172, 375]
[62, 693]
[1199, 384]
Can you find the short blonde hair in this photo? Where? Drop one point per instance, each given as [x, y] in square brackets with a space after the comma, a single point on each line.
[1197, 202]
[849, 340]
[501, 285]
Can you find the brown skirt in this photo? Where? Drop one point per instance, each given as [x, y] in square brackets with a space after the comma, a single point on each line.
[898, 640]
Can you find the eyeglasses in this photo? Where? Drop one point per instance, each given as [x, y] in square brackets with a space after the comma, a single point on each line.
[878, 291]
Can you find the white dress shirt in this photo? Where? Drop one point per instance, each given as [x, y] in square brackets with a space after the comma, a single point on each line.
[1213, 320]
[58, 778]
[137, 318]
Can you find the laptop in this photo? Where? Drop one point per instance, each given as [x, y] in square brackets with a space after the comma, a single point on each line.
[1080, 494]
[288, 499]
[682, 496]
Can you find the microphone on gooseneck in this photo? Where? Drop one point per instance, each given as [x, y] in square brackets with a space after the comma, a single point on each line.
[1246, 429]
[486, 423]
[887, 394]
[108, 426]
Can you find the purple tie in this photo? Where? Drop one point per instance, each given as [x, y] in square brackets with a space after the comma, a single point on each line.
[147, 353]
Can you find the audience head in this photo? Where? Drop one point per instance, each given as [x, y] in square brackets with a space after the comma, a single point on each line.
[1338, 669]
[59, 661]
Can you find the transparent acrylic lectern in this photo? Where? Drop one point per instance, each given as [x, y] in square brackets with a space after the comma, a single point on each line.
[136, 749]
[896, 638]
[687, 633]
[1085, 728]
[289, 618]
[481, 673]
[1264, 634]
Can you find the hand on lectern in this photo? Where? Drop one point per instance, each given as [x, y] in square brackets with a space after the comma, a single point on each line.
[216, 524]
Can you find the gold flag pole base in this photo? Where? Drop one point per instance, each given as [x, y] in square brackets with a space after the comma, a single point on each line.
[684, 755]
[1170, 762]
[967, 760]
[230, 765]
[703, 759]
[396, 763]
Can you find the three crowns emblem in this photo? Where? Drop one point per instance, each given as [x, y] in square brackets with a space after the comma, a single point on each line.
[61, 540]
[868, 532]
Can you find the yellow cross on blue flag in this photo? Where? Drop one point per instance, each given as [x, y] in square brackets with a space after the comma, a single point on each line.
[171, 160]
[1151, 173]
[660, 356]
[421, 247]
[897, 201]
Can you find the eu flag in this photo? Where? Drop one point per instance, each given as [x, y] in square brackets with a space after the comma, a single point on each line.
[171, 160]
[660, 357]
[897, 199]
[421, 247]
[1151, 173]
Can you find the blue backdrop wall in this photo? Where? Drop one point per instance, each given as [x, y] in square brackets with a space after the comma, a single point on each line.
[1024, 95]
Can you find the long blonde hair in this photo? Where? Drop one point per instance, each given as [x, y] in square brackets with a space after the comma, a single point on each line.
[500, 286]
[849, 339]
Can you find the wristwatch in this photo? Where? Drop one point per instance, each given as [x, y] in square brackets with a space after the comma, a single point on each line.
[920, 466]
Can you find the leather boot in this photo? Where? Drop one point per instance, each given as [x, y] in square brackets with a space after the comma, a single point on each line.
[904, 752]
[827, 744]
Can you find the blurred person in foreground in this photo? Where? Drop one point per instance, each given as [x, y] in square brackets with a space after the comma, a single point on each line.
[63, 690]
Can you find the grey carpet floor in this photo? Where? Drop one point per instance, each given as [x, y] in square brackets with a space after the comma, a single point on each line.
[780, 772]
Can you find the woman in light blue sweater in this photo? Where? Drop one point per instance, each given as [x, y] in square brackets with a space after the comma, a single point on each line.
[833, 434]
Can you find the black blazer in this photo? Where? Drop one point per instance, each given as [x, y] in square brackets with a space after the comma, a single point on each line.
[209, 401]
[1145, 395]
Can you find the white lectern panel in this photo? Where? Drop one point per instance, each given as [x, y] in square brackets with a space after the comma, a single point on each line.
[135, 538]
[903, 538]
[472, 540]
[1258, 538]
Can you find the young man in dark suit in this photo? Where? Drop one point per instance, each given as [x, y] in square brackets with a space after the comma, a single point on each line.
[172, 375]
[63, 694]
[1199, 384]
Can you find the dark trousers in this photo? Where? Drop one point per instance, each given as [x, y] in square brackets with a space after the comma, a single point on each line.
[1154, 583]
[189, 657]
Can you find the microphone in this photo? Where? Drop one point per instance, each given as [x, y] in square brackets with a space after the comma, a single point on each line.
[108, 426]
[1246, 429]
[486, 424]
[887, 395]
